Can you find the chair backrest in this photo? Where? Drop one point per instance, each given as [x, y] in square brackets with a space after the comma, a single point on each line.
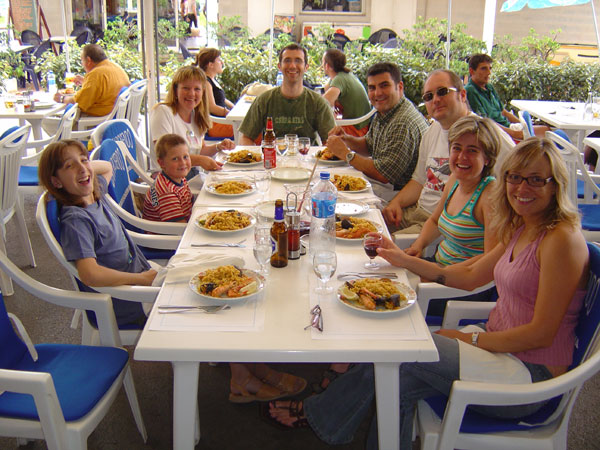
[120, 108]
[339, 40]
[345, 122]
[137, 92]
[118, 188]
[42, 48]
[82, 35]
[391, 43]
[525, 120]
[121, 130]
[381, 36]
[30, 37]
[12, 147]
[65, 126]
[13, 348]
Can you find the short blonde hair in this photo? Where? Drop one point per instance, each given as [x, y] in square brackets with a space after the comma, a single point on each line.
[166, 142]
[561, 209]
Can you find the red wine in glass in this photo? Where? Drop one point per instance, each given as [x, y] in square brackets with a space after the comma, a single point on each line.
[303, 150]
[371, 242]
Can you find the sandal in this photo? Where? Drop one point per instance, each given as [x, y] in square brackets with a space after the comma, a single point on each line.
[288, 383]
[329, 375]
[266, 393]
[295, 409]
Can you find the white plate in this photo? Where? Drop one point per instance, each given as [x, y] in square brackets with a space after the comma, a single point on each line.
[205, 215]
[219, 300]
[290, 174]
[410, 294]
[332, 162]
[211, 189]
[350, 207]
[224, 158]
[45, 105]
[366, 188]
[360, 239]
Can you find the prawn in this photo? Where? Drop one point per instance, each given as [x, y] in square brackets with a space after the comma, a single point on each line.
[234, 291]
[220, 290]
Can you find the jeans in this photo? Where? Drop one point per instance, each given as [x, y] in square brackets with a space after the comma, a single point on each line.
[336, 414]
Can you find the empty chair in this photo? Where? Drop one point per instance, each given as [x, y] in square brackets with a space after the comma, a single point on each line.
[82, 35]
[525, 121]
[381, 36]
[339, 40]
[137, 92]
[32, 59]
[30, 37]
[392, 43]
[12, 146]
[60, 392]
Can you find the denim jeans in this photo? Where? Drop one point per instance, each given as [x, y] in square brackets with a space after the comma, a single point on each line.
[336, 414]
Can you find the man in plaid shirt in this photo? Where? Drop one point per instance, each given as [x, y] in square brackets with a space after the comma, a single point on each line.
[388, 153]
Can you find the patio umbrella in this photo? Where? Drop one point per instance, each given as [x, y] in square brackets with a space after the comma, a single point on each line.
[63, 17]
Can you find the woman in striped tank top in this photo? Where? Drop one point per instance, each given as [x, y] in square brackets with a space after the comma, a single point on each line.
[463, 214]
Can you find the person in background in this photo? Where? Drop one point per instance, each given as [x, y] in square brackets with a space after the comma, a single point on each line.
[484, 99]
[294, 108]
[209, 60]
[101, 85]
[344, 92]
[90, 234]
[185, 112]
[388, 153]
[188, 12]
[170, 198]
[540, 267]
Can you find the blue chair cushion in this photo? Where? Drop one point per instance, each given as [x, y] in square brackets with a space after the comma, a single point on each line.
[155, 253]
[81, 375]
[590, 217]
[474, 422]
[9, 131]
[28, 176]
[13, 348]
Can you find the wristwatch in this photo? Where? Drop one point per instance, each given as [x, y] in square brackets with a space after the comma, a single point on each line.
[475, 338]
[350, 156]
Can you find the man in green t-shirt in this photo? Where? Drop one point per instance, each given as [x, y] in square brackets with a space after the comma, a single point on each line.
[294, 108]
[484, 100]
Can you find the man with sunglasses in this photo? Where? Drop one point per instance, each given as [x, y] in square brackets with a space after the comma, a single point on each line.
[446, 102]
[485, 101]
[388, 153]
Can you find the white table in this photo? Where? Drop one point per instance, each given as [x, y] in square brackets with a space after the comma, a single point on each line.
[567, 116]
[282, 338]
[34, 118]
[237, 114]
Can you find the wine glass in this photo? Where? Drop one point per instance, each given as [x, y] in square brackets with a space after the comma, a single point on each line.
[262, 248]
[304, 147]
[262, 181]
[324, 265]
[371, 242]
[282, 146]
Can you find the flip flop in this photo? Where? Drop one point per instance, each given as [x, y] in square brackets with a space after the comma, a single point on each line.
[287, 384]
[266, 393]
[294, 409]
[329, 375]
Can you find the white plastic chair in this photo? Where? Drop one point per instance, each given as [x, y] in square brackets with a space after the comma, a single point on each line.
[525, 121]
[346, 122]
[225, 121]
[448, 433]
[12, 148]
[118, 112]
[137, 92]
[589, 203]
[145, 294]
[53, 417]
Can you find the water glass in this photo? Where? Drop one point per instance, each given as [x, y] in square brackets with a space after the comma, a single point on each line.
[324, 265]
[304, 147]
[371, 242]
[262, 248]
[596, 107]
[262, 181]
[292, 142]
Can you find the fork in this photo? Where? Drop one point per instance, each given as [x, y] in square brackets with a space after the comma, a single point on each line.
[208, 309]
[221, 244]
[367, 275]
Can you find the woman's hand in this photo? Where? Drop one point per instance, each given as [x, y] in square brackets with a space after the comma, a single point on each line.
[455, 334]
[147, 277]
[391, 253]
[207, 163]
[414, 250]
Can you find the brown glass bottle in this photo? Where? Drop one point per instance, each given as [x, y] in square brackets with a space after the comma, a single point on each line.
[268, 146]
[279, 237]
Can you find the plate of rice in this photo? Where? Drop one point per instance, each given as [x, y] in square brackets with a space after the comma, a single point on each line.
[349, 183]
[353, 229]
[376, 295]
[225, 221]
[227, 284]
[241, 158]
[231, 188]
[324, 156]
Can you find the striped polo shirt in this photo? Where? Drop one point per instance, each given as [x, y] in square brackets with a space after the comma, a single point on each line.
[168, 201]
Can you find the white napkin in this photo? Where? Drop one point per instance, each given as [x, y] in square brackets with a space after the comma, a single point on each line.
[183, 266]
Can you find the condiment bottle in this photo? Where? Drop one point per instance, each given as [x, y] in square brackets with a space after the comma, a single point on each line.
[292, 220]
[279, 237]
[268, 146]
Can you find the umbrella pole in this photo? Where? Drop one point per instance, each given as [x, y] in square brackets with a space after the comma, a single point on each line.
[448, 35]
[596, 26]
[271, 37]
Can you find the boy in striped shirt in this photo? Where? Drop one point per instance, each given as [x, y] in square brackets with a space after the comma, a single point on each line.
[170, 198]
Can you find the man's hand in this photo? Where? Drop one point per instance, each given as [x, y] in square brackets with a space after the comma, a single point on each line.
[337, 131]
[78, 80]
[58, 97]
[227, 144]
[392, 214]
[337, 146]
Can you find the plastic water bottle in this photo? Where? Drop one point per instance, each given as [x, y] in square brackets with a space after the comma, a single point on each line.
[51, 79]
[322, 225]
[279, 79]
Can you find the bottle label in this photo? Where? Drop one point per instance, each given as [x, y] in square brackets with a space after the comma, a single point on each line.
[269, 156]
[323, 208]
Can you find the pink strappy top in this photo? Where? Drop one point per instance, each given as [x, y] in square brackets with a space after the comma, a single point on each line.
[517, 284]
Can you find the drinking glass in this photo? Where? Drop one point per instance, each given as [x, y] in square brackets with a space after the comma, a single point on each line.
[371, 242]
[596, 107]
[262, 247]
[282, 146]
[262, 181]
[292, 142]
[304, 147]
[9, 101]
[324, 265]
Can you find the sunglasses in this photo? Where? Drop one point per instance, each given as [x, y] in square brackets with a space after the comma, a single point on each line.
[533, 181]
[316, 320]
[440, 92]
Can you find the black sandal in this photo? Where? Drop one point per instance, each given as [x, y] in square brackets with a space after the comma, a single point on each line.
[295, 409]
[330, 375]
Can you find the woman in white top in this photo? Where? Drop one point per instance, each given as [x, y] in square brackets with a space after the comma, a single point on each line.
[185, 112]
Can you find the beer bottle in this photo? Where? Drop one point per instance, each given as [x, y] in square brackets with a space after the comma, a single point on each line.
[279, 237]
[268, 146]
